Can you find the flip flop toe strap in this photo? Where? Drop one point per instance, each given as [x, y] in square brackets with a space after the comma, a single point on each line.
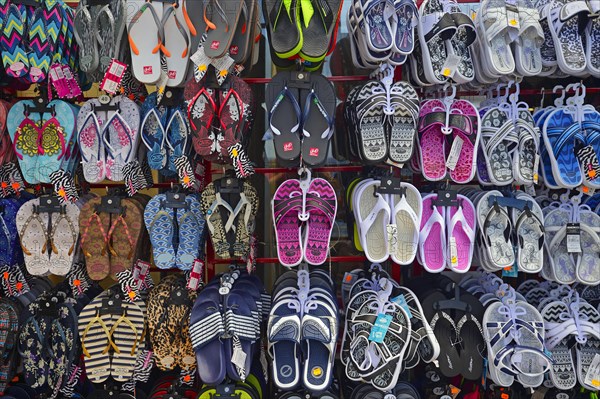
[106, 331]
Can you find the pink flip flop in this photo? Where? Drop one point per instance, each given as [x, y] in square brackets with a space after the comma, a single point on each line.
[432, 118]
[461, 234]
[321, 204]
[464, 121]
[432, 237]
[286, 205]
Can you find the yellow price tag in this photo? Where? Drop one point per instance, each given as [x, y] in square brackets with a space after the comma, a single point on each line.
[132, 295]
[454, 260]
[202, 67]
[473, 15]
[513, 22]
[446, 72]
[596, 383]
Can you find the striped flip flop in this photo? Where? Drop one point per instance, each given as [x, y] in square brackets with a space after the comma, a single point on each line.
[14, 56]
[39, 56]
[126, 333]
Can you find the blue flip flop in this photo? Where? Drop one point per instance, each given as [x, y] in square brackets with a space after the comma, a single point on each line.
[206, 328]
[177, 132]
[159, 221]
[561, 135]
[190, 233]
[58, 129]
[153, 132]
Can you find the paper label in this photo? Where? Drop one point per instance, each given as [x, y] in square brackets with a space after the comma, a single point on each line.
[239, 358]
[195, 277]
[536, 166]
[392, 233]
[201, 61]
[378, 331]
[510, 271]
[113, 77]
[451, 65]
[401, 301]
[573, 238]
[592, 377]
[161, 85]
[453, 252]
[586, 190]
[454, 153]
[140, 270]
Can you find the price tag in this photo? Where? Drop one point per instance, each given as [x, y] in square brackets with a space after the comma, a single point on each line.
[510, 271]
[392, 233]
[453, 252]
[113, 76]
[454, 153]
[239, 358]
[592, 377]
[401, 301]
[536, 166]
[195, 275]
[573, 238]
[379, 330]
[451, 65]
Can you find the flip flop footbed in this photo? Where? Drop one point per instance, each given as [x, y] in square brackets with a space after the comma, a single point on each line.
[407, 212]
[160, 224]
[322, 208]
[432, 142]
[64, 235]
[94, 229]
[494, 223]
[286, 204]
[124, 234]
[143, 26]
[32, 228]
[372, 215]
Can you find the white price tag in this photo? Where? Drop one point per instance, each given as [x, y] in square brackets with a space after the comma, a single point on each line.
[454, 153]
[536, 165]
[451, 65]
[592, 378]
[453, 252]
[573, 238]
[238, 358]
[392, 232]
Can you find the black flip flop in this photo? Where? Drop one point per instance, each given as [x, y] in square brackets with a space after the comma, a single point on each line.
[317, 120]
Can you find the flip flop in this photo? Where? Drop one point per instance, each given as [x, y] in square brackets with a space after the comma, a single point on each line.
[405, 102]
[221, 22]
[562, 374]
[63, 235]
[372, 213]
[317, 121]
[201, 112]
[56, 133]
[498, 142]
[159, 221]
[407, 210]
[24, 134]
[14, 55]
[406, 14]
[286, 137]
[191, 233]
[529, 229]
[120, 136]
[145, 53]
[86, 40]
[126, 332]
[94, 229]
[286, 205]
[285, 33]
[32, 227]
[431, 140]
[432, 236]
[321, 205]
[152, 132]
[464, 122]
[124, 236]
[177, 27]
[39, 44]
[460, 222]
[495, 227]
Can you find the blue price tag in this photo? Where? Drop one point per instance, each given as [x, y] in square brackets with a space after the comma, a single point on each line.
[400, 300]
[380, 328]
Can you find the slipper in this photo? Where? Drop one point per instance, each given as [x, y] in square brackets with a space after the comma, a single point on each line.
[460, 222]
[564, 19]
[498, 26]
[286, 205]
[142, 27]
[317, 121]
[63, 235]
[470, 330]
[562, 374]
[240, 325]
[90, 142]
[588, 264]
[592, 42]
[56, 132]
[152, 132]
[529, 230]
[120, 136]
[285, 117]
[527, 149]
[406, 15]
[317, 28]
[39, 45]
[495, 227]
[321, 205]
[284, 27]
[374, 27]
[96, 340]
[190, 222]
[464, 122]
[14, 55]
[432, 116]
[86, 40]
[221, 22]
[201, 112]
[372, 213]
[24, 134]
[126, 331]
[94, 227]
[435, 28]
[407, 210]
[124, 235]
[241, 45]
[527, 49]
[562, 264]
[206, 327]
[432, 236]
[405, 102]
[177, 26]
[234, 115]
[370, 119]
[159, 221]
[32, 227]
[561, 134]
[497, 328]
[498, 142]
[460, 42]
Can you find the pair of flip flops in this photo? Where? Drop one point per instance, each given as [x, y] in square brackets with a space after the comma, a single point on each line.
[455, 315]
[221, 120]
[302, 331]
[164, 132]
[301, 117]
[175, 223]
[568, 264]
[302, 29]
[160, 33]
[225, 327]
[446, 36]
[98, 31]
[48, 235]
[169, 306]
[112, 234]
[381, 31]
[387, 225]
[40, 139]
[303, 216]
[384, 119]
[447, 234]
[380, 315]
[230, 207]
[108, 137]
[111, 333]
